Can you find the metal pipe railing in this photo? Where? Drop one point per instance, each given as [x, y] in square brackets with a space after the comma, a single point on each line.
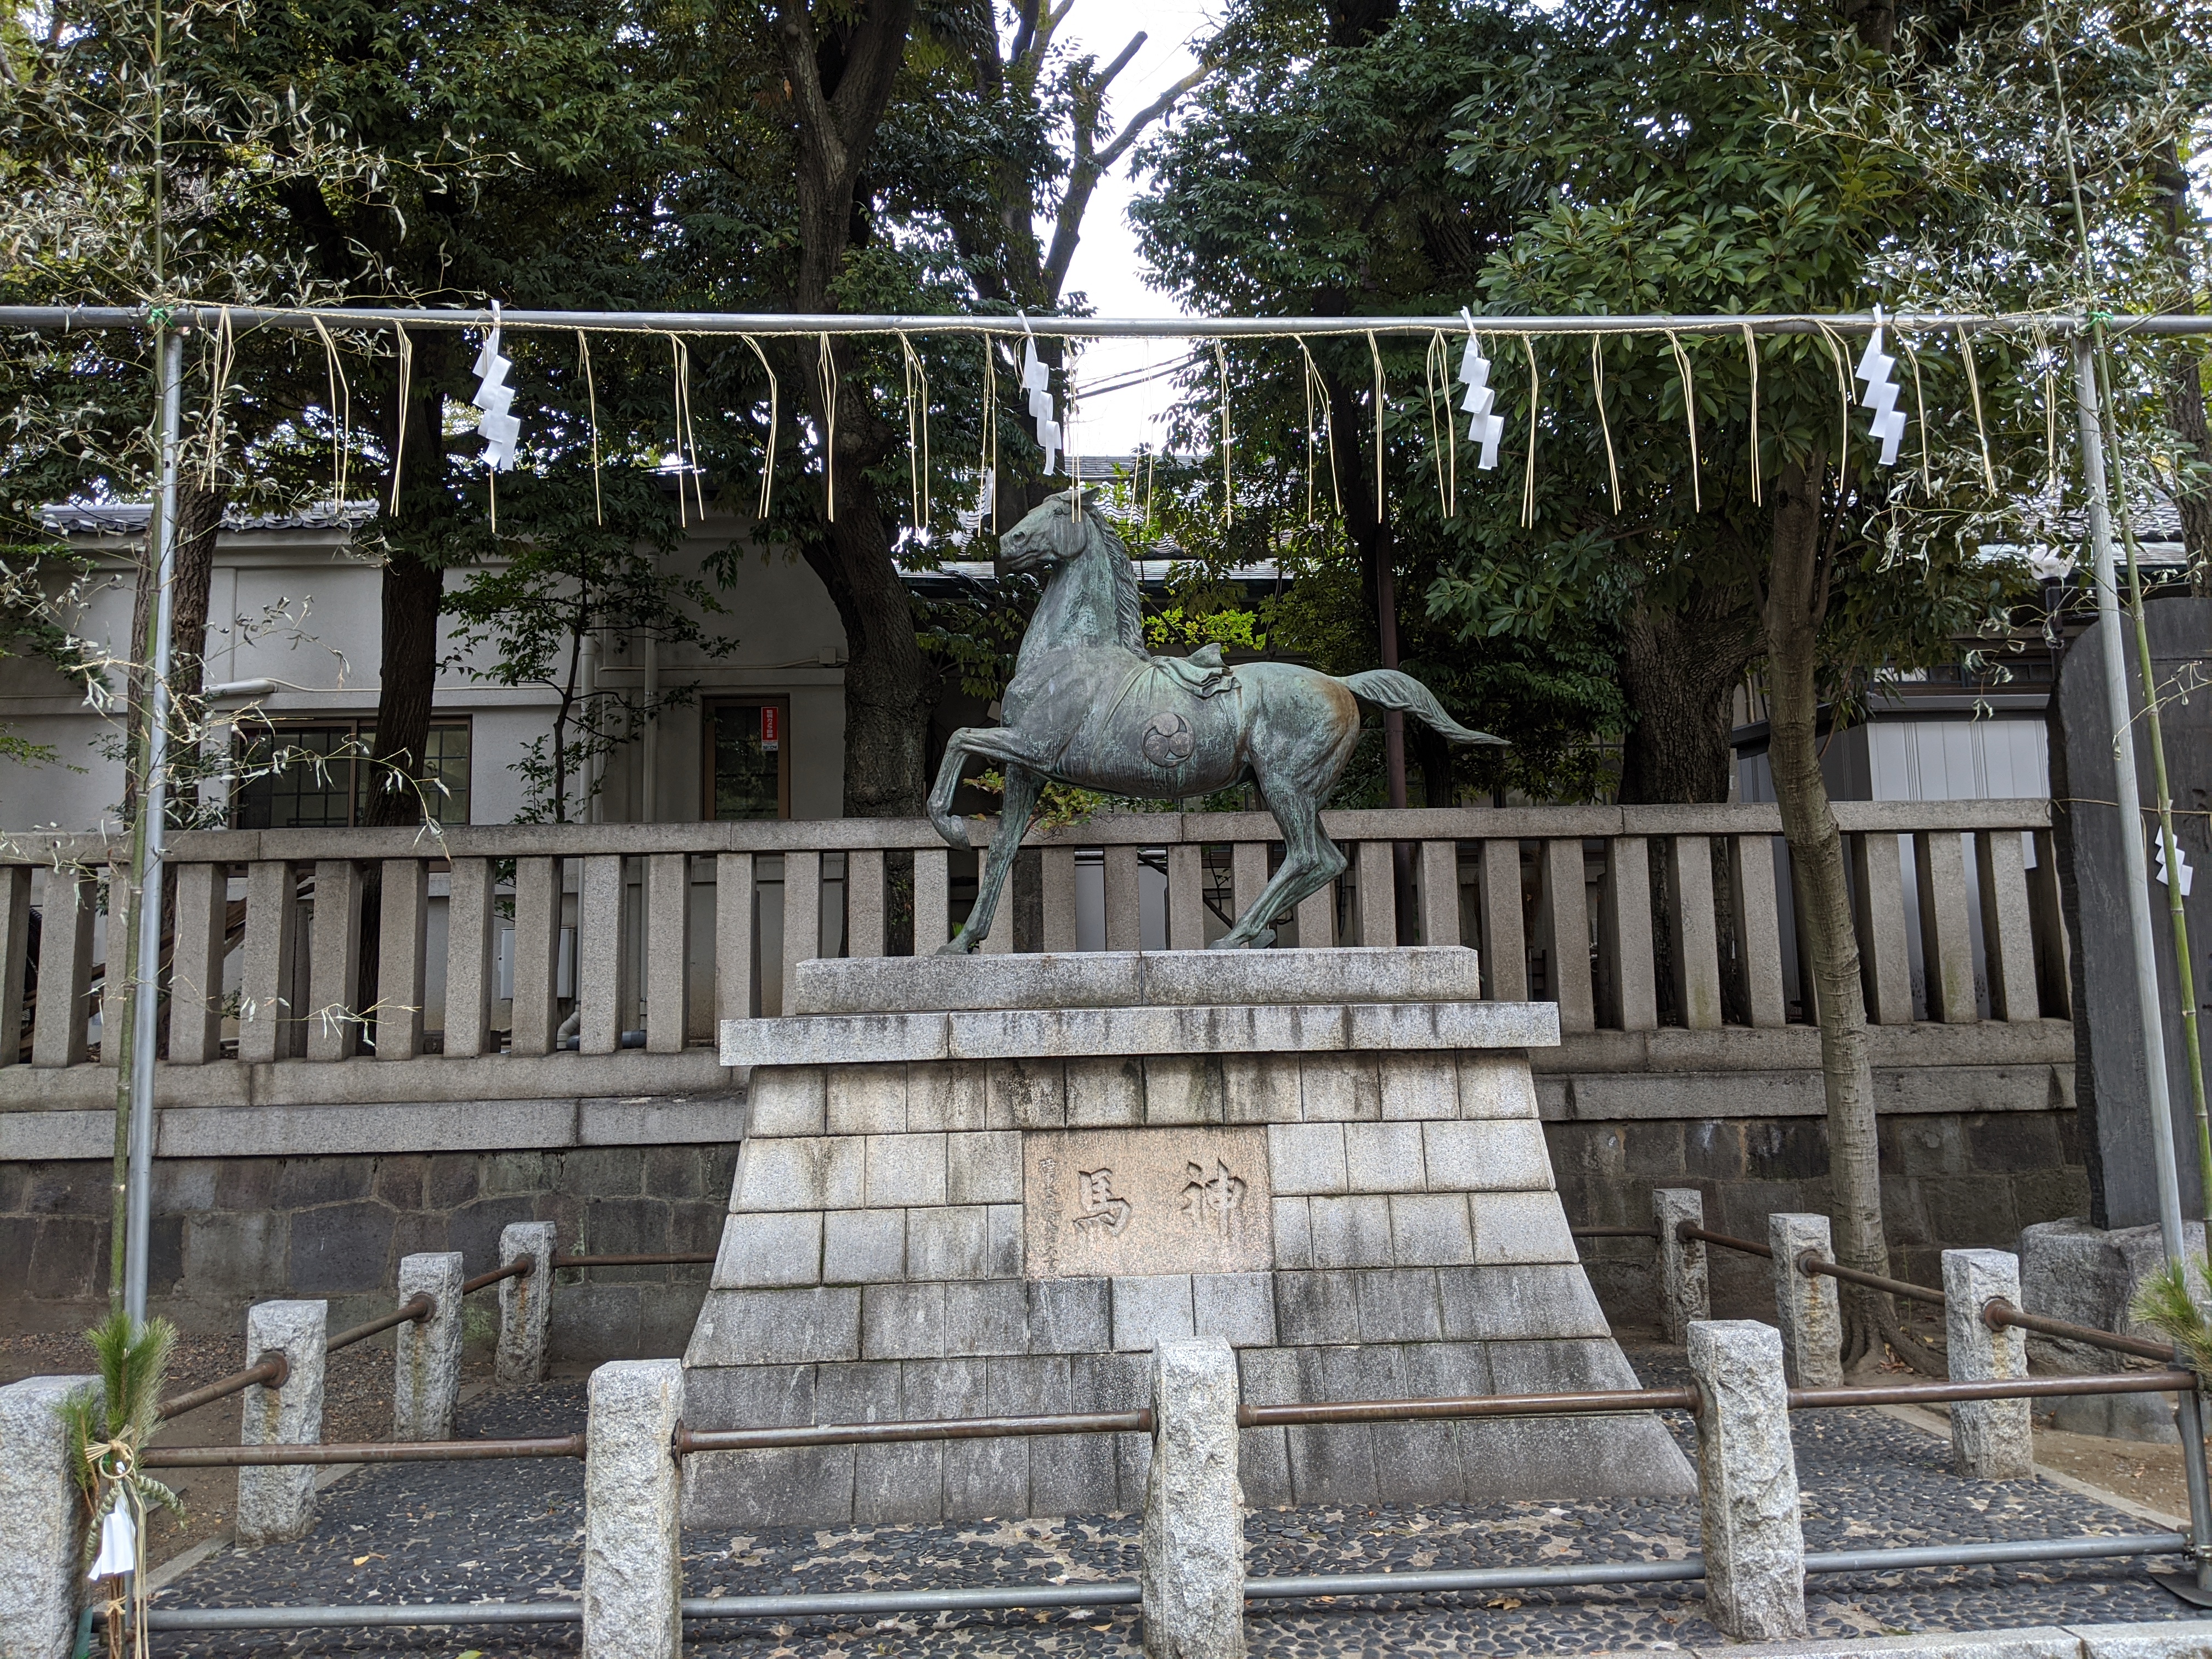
[517, 1268]
[1810, 1262]
[1491, 1405]
[1686, 1232]
[416, 1309]
[1614, 1232]
[273, 1369]
[2019, 1388]
[375, 1451]
[689, 1441]
[2000, 1314]
[676, 1259]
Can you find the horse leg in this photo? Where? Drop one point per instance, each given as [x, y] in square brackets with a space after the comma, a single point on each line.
[997, 743]
[1022, 788]
[1311, 860]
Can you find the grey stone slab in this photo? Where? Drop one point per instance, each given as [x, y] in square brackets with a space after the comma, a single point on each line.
[983, 1168]
[1184, 1088]
[836, 1039]
[40, 1526]
[769, 1328]
[1105, 1093]
[1352, 1232]
[1074, 1474]
[945, 1095]
[1111, 1202]
[1071, 1315]
[1115, 1383]
[1397, 1304]
[1748, 1504]
[1150, 1309]
[750, 1396]
[1487, 1155]
[633, 1525]
[867, 1392]
[902, 1322]
[1514, 1228]
[1386, 1027]
[820, 1172]
[1383, 1158]
[863, 1247]
[1238, 1308]
[1005, 1249]
[1306, 1158]
[1419, 1462]
[1990, 1439]
[904, 1169]
[1069, 1033]
[1339, 1089]
[277, 1504]
[898, 1483]
[1558, 1365]
[769, 1247]
[1509, 1304]
[1293, 1233]
[1026, 1094]
[1496, 1085]
[1806, 1309]
[865, 1100]
[1192, 1577]
[1028, 1386]
[989, 1316]
[785, 1100]
[1419, 1087]
[1259, 1087]
[1430, 1230]
[1550, 1459]
[1315, 1308]
[949, 1243]
[427, 1354]
[1335, 1462]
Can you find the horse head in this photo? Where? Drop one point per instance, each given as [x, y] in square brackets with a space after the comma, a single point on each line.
[1054, 534]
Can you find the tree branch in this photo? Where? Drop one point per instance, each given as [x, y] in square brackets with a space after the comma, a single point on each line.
[1150, 114]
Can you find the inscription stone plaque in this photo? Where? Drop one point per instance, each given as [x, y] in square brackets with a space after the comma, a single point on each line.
[1098, 1203]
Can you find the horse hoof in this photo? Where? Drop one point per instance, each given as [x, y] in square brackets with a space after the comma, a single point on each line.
[958, 945]
[1260, 941]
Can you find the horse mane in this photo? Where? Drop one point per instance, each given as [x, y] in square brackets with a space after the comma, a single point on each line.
[1128, 602]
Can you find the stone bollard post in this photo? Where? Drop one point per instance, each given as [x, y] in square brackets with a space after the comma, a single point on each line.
[1683, 1294]
[1755, 1543]
[1193, 1571]
[633, 1487]
[275, 1505]
[1992, 1439]
[526, 1304]
[429, 1353]
[41, 1519]
[1806, 1306]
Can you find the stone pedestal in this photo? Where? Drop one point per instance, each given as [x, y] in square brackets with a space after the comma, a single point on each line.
[2085, 1275]
[978, 1187]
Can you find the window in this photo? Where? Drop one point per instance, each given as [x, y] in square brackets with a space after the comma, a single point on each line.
[323, 780]
[748, 769]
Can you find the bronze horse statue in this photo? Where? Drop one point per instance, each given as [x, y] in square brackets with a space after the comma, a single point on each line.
[1089, 706]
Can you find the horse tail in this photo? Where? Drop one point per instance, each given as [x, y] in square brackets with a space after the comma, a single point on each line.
[1386, 688]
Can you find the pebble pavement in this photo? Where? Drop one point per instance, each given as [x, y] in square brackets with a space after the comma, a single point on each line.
[512, 1531]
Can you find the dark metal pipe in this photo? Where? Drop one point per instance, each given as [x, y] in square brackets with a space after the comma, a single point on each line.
[689, 1441]
[1975, 1555]
[365, 1618]
[273, 1369]
[517, 1268]
[1484, 1405]
[2023, 1388]
[1614, 1232]
[415, 1309]
[1686, 1232]
[374, 1451]
[679, 1258]
[2000, 1313]
[1276, 1587]
[1112, 1593]
[1811, 1262]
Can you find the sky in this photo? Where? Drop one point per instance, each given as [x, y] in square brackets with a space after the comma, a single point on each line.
[1107, 267]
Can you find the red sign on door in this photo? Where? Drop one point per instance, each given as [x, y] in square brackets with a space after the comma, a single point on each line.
[771, 733]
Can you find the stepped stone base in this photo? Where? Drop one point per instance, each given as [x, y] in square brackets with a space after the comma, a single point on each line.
[995, 1183]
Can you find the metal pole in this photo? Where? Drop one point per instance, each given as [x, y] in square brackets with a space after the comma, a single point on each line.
[146, 871]
[2135, 872]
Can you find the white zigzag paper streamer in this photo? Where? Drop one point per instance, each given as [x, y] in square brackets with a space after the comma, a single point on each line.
[1037, 380]
[1881, 394]
[498, 428]
[970, 519]
[1487, 426]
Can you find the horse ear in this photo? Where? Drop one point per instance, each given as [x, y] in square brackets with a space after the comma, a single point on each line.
[1068, 534]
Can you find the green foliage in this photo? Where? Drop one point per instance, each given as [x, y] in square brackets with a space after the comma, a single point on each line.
[133, 1363]
[2166, 1302]
[1174, 630]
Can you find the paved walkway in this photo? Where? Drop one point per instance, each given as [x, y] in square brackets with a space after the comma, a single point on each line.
[512, 1531]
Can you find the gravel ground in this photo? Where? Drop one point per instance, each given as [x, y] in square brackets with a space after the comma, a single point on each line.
[511, 1531]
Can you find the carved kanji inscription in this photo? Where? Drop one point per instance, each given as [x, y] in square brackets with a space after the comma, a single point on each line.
[1099, 1202]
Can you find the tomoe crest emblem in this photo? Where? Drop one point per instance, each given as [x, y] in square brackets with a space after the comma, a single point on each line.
[1168, 739]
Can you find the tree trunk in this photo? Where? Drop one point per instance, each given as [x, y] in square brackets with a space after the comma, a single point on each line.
[1680, 667]
[1796, 599]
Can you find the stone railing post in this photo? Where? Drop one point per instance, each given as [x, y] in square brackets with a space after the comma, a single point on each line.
[1990, 1439]
[1754, 1544]
[1806, 1306]
[275, 1505]
[428, 1350]
[633, 1537]
[41, 1524]
[1685, 1296]
[1193, 1571]
[526, 1304]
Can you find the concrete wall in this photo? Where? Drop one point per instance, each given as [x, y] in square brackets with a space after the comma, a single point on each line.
[229, 1231]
